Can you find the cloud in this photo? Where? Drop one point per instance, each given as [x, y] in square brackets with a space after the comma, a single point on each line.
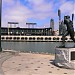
[17, 11]
[67, 7]
[36, 2]
[8, 2]
[41, 8]
[21, 13]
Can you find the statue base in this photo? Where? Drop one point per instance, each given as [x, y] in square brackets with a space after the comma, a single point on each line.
[65, 57]
[0, 49]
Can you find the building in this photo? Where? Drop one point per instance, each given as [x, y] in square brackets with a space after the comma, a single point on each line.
[52, 24]
[26, 31]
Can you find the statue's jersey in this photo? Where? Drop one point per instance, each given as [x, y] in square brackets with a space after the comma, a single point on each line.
[69, 26]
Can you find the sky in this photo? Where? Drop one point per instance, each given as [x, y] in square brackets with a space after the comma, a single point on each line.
[35, 11]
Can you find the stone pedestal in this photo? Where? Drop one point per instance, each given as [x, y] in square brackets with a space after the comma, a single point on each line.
[65, 57]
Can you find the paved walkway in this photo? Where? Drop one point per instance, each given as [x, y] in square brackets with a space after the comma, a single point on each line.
[3, 56]
[33, 64]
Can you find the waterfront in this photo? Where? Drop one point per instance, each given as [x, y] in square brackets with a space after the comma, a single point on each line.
[41, 47]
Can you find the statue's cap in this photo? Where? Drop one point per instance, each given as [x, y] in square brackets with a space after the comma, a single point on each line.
[67, 17]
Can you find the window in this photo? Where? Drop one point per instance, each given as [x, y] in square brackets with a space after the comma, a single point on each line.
[33, 38]
[7, 37]
[54, 38]
[22, 38]
[2, 37]
[50, 38]
[57, 38]
[73, 55]
[30, 38]
[14, 38]
[18, 38]
[26, 38]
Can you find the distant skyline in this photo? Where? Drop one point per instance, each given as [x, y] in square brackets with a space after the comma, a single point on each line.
[36, 11]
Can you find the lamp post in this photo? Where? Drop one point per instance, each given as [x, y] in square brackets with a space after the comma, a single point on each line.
[0, 23]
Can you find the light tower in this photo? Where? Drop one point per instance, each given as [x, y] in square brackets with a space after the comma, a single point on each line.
[31, 24]
[59, 14]
[0, 23]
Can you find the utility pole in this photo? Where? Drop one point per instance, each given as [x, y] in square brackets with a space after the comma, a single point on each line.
[0, 23]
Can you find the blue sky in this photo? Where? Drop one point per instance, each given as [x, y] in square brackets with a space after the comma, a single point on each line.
[36, 11]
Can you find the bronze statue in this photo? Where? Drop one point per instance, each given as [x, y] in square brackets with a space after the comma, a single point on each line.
[70, 29]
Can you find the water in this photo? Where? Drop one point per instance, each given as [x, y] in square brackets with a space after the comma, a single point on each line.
[33, 46]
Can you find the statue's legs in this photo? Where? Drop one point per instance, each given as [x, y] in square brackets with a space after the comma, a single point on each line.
[63, 38]
[72, 35]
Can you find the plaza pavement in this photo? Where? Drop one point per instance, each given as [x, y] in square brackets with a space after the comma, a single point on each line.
[4, 56]
[33, 64]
